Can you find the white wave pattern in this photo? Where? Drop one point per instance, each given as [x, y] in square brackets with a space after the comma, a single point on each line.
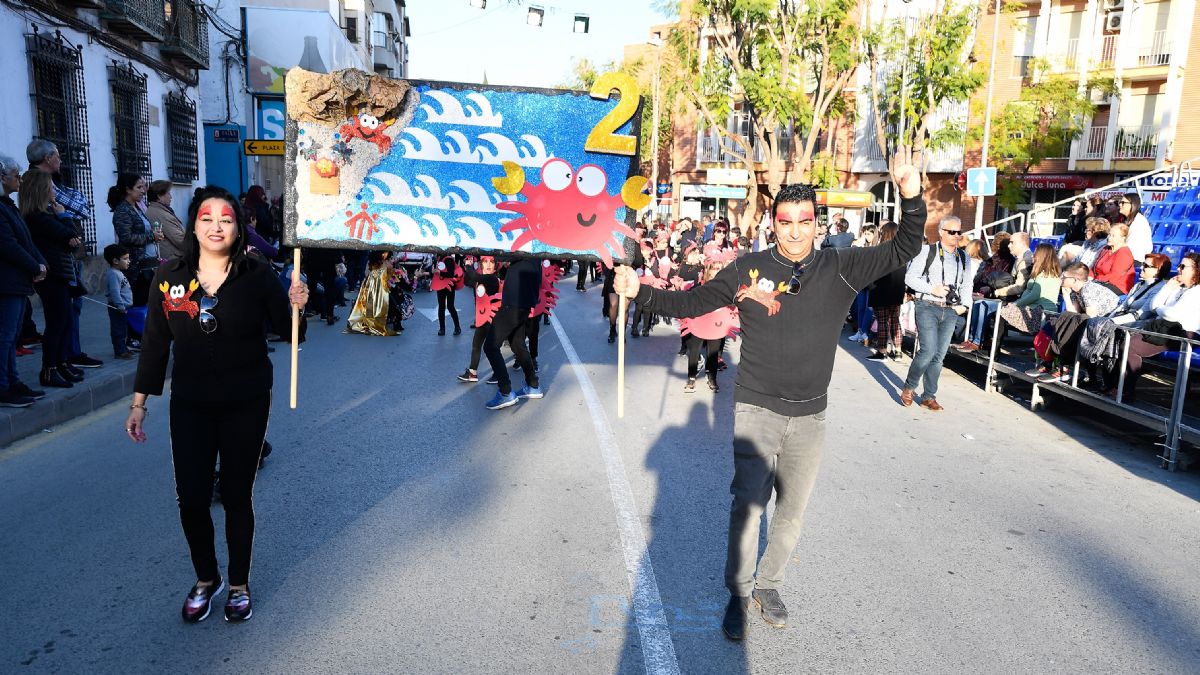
[454, 112]
[492, 149]
[473, 198]
[399, 192]
[531, 153]
[431, 229]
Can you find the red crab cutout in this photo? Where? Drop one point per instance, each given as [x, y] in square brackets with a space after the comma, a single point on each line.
[177, 299]
[368, 127]
[486, 305]
[548, 293]
[570, 209]
[651, 280]
[720, 323]
[762, 291]
[440, 282]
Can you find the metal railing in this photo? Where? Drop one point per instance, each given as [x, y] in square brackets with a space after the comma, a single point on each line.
[146, 19]
[1066, 60]
[1136, 142]
[1108, 51]
[1172, 423]
[187, 34]
[1156, 51]
[1023, 218]
[1093, 142]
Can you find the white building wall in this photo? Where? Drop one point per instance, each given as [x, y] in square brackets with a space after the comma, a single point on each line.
[17, 114]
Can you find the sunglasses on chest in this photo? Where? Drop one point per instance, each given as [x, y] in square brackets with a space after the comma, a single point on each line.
[208, 322]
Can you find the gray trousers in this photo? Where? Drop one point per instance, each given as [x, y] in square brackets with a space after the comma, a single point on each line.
[770, 452]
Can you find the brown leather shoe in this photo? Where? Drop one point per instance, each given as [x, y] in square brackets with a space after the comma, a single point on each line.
[906, 397]
[932, 404]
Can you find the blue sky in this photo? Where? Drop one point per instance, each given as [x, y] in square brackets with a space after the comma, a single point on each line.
[456, 42]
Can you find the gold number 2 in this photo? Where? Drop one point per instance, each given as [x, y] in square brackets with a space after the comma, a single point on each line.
[604, 137]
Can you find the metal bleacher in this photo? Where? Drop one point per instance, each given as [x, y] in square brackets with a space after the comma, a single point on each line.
[1175, 223]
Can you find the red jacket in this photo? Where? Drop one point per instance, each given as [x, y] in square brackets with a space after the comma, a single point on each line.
[1115, 267]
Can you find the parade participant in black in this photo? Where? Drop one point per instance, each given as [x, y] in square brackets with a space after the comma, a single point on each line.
[321, 267]
[611, 306]
[685, 277]
[487, 302]
[522, 283]
[447, 278]
[207, 309]
[792, 302]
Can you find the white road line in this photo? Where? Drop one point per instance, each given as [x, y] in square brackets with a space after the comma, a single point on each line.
[657, 649]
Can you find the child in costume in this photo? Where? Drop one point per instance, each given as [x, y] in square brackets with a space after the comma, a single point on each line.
[488, 289]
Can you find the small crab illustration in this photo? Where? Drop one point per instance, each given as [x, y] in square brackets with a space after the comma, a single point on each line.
[548, 293]
[486, 305]
[762, 291]
[720, 323]
[570, 209]
[370, 129]
[177, 299]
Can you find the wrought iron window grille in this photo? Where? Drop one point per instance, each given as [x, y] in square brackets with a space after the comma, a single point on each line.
[60, 112]
[182, 155]
[131, 119]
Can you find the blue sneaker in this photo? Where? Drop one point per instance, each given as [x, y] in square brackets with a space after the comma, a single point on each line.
[530, 392]
[502, 401]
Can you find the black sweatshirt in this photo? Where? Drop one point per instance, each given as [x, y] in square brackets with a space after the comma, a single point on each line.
[787, 358]
[229, 364]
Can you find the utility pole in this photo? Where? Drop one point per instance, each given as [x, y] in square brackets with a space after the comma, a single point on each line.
[987, 115]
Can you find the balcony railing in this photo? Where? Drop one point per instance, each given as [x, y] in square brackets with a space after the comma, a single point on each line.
[1138, 142]
[143, 19]
[1132, 142]
[187, 35]
[1066, 61]
[1093, 142]
[1156, 51]
[1107, 55]
[715, 149]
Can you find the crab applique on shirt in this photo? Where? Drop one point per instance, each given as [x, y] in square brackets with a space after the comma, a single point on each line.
[178, 299]
[762, 291]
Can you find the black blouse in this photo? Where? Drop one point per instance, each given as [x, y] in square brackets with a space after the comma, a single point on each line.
[231, 363]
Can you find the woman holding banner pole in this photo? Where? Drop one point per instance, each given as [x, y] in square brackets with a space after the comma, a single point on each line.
[209, 305]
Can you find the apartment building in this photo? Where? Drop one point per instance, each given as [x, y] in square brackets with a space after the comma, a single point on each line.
[250, 62]
[1146, 46]
[114, 84]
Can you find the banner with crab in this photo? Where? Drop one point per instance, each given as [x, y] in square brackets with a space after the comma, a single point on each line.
[374, 162]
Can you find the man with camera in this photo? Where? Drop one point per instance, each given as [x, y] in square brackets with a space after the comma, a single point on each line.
[940, 277]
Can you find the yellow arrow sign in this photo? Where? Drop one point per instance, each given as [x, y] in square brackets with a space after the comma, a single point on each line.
[261, 147]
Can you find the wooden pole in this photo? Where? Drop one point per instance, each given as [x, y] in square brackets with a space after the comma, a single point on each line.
[622, 307]
[295, 325]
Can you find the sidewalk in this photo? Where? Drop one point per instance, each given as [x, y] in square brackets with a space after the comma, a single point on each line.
[101, 386]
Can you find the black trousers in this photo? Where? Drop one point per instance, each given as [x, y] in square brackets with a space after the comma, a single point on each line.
[325, 273]
[56, 336]
[642, 317]
[482, 335]
[200, 432]
[533, 328]
[445, 298]
[509, 324]
[711, 348]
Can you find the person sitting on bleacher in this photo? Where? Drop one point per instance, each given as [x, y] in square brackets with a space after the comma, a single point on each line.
[1140, 237]
[1027, 312]
[1100, 348]
[1097, 239]
[1114, 263]
[1059, 338]
[995, 272]
[1176, 312]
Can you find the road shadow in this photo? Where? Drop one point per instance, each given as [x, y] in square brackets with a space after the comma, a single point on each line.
[686, 536]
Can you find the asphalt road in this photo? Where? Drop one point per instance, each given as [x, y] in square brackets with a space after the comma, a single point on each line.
[403, 528]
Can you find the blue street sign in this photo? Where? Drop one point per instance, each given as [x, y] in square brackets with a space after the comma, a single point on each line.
[981, 182]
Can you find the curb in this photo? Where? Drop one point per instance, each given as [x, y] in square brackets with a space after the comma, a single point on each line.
[98, 390]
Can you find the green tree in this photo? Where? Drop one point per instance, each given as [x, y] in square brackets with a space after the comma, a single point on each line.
[784, 63]
[1050, 113]
[934, 67]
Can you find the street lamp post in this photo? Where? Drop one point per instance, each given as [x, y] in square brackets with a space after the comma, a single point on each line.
[987, 115]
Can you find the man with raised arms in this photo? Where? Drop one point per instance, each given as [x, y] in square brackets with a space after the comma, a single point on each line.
[792, 301]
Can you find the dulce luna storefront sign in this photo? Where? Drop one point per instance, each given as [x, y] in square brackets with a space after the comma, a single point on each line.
[1056, 181]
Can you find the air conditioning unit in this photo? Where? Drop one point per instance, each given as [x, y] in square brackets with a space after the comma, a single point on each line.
[1112, 22]
[1110, 5]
